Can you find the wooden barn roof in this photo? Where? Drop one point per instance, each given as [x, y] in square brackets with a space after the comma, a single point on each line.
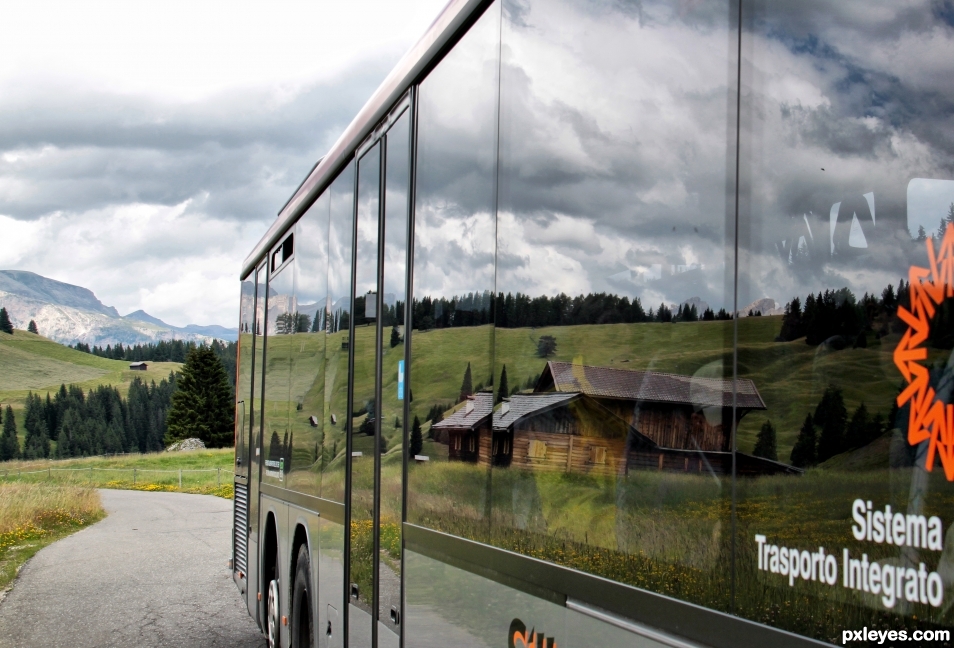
[462, 419]
[649, 386]
[524, 405]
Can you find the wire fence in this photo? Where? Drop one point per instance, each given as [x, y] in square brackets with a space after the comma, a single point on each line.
[193, 476]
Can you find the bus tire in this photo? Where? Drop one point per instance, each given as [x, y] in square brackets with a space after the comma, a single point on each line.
[273, 622]
[302, 629]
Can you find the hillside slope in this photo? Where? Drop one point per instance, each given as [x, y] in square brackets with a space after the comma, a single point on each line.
[35, 363]
[790, 376]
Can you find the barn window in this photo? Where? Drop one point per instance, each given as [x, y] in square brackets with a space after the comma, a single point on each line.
[471, 444]
[538, 450]
[456, 442]
[598, 455]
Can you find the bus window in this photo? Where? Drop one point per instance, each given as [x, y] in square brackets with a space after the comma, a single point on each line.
[452, 309]
[364, 404]
[392, 429]
[338, 331]
[307, 383]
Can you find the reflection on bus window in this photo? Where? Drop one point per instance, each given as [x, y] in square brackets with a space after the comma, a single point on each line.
[307, 383]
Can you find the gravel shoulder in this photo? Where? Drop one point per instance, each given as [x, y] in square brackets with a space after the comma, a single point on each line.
[153, 573]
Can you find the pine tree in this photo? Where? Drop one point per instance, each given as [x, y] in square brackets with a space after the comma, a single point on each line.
[9, 447]
[31, 327]
[765, 444]
[792, 324]
[546, 346]
[832, 416]
[945, 221]
[803, 453]
[876, 427]
[856, 435]
[6, 326]
[36, 440]
[201, 406]
[395, 337]
[467, 386]
[503, 390]
[417, 439]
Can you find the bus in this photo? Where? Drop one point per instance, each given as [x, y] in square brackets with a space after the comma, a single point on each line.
[613, 323]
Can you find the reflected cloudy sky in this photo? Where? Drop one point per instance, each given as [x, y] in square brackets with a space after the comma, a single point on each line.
[845, 103]
[616, 138]
[147, 146]
[612, 143]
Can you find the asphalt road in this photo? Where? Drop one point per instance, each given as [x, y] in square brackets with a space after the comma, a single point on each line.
[153, 573]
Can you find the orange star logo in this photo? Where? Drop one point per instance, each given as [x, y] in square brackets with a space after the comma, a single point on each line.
[931, 420]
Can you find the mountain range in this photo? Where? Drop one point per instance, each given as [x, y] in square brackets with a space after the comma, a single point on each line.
[69, 314]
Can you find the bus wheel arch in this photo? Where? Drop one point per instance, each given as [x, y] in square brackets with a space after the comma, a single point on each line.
[270, 592]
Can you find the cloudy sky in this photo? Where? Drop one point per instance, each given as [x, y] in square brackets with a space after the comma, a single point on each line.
[616, 131]
[147, 146]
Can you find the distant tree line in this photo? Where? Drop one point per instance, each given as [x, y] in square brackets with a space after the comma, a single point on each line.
[945, 221]
[90, 423]
[840, 313]
[517, 310]
[198, 402]
[165, 351]
[829, 430]
[826, 432]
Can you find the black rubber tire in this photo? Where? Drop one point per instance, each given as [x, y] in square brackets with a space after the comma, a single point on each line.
[278, 613]
[302, 621]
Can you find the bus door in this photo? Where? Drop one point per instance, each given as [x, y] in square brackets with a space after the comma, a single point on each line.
[378, 426]
[257, 332]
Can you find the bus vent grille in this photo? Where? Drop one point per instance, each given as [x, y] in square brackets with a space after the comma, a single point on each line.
[240, 528]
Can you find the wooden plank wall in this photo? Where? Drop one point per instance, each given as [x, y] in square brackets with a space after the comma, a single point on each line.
[676, 426]
[671, 463]
[485, 447]
[559, 456]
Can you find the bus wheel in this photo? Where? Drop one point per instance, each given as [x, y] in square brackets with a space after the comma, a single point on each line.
[303, 631]
[272, 612]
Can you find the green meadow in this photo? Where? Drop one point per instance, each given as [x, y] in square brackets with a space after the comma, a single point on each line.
[34, 363]
[306, 376]
[790, 376]
[669, 533]
[203, 471]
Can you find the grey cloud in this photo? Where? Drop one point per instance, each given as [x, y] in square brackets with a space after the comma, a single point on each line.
[240, 154]
[879, 125]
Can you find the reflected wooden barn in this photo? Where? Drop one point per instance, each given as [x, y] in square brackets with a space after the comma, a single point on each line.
[599, 420]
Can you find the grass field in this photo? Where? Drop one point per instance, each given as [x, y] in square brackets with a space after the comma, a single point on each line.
[34, 363]
[206, 472]
[672, 533]
[306, 376]
[34, 515]
[791, 376]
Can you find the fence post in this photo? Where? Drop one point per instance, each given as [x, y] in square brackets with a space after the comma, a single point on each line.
[134, 476]
[218, 476]
[180, 479]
